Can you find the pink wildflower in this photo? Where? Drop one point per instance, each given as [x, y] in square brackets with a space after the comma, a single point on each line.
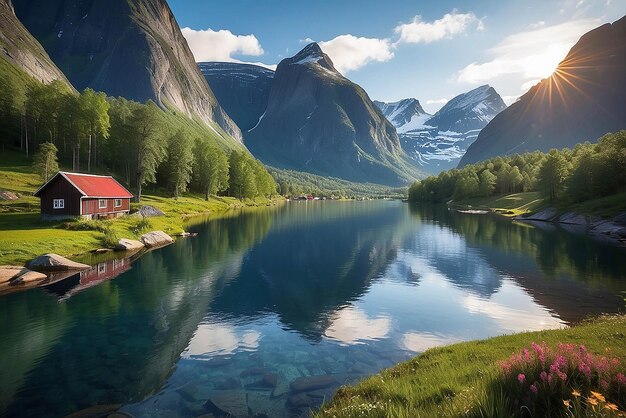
[604, 384]
[544, 376]
[533, 388]
[621, 379]
[521, 378]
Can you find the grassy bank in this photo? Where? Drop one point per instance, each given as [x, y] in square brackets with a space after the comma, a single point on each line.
[455, 380]
[24, 236]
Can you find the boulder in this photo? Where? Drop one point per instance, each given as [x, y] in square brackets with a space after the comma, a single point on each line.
[126, 244]
[573, 219]
[543, 215]
[231, 403]
[148, 211]
[156, 239]
[54, 262]
[309, 383]
[17, 274]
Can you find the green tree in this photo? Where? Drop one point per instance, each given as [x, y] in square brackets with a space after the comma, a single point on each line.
[95, 113]
[179, 162]
[45, 161]
[210, 170]
[487, 182]
[147, 143]
[242, 182]
[552, 174]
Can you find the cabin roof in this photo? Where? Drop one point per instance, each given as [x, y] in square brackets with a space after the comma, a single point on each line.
[91, 185]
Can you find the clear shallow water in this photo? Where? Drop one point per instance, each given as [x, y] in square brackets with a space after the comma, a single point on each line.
[227, 320]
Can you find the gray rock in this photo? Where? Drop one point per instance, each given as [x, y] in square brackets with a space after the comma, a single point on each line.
[543, 215]
[13, 274]
[156, 239]
[54, 262]
[228, 402]
[310, 383]
[148, 211]
[573, 218]
[126, 244]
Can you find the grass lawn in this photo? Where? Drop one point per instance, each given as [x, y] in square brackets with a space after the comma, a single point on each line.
[512, 204]
[454, 380]
[24, 236]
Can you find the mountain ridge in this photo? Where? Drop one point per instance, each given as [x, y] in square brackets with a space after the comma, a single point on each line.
[582, 100]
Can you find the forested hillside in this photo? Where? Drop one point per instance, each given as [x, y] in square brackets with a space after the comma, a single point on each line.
[586, 172]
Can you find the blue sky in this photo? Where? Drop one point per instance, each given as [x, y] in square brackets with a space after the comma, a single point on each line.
[430, 50]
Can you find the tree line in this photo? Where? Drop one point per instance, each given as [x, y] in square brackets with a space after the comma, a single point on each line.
[586, 172]
[140, 142]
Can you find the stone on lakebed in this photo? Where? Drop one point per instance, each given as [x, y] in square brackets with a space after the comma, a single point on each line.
[156, 239]
[54, 262]
[309, 383]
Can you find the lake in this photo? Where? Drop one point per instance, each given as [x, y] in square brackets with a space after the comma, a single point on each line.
[266, 313]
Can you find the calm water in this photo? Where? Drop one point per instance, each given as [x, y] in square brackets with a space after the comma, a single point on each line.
[225, 321]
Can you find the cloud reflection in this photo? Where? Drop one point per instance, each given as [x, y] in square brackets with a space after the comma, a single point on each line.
[422, 341]
[351, 325]
[221, 339]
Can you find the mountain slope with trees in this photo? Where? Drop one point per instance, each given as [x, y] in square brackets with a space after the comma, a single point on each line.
[582, 100]
[128, 48]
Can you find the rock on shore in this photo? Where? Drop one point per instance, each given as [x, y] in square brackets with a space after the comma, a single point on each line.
[126, 244]
[156, 239]
[17, 274]
[54, 262]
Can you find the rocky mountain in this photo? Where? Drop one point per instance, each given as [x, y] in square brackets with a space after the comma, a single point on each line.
[403, 114]
[241, 89]
[320, 122]
[130, 48]
[582, 100]
[437, 142]
[20, 49]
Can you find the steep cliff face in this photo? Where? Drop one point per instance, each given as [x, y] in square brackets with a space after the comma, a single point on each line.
[130, 48]
[403, 113]
[582, 100]
[20, 49]
[318, 121]
[241, 89]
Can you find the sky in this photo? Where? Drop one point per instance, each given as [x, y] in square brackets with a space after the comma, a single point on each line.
[429, 50]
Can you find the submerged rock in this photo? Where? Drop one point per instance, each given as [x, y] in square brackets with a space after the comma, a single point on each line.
[228, 402]
[95, 411]
[309, 383]
[54, 262]
[543, 215]
[156, 239]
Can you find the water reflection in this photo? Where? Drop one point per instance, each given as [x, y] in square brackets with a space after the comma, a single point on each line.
[259, 300]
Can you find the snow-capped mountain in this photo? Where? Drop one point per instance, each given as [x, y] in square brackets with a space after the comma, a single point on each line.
[241, 89]
[404, 114]
[437, 142]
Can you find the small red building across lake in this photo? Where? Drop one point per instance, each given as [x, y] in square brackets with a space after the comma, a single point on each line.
[68, 195]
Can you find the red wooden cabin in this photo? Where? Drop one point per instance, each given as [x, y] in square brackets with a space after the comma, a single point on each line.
[68, 195]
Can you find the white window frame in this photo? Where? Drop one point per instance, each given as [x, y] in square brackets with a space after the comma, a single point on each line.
[58, 203]
[116, 203]
[100, 206]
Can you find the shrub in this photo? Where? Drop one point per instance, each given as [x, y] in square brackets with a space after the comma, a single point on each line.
[566, 381]
[110, 238]
[139, 226]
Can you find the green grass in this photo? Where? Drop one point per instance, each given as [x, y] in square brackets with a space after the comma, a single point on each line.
[607, 206]
[510, 204]
[23, 236]
[454, 380]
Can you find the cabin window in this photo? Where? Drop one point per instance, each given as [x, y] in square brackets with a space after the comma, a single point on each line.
[58, 203]
[102, 203]
[118, 203]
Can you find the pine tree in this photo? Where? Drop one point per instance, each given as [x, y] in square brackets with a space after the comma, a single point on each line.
[179, 162]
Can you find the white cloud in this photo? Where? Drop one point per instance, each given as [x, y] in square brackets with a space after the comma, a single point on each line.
[352, 326]
[536, 25]
[509, 100]
[349, 52]
[437, 101]
[210, 45]
[449, 25]
[530, 55]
